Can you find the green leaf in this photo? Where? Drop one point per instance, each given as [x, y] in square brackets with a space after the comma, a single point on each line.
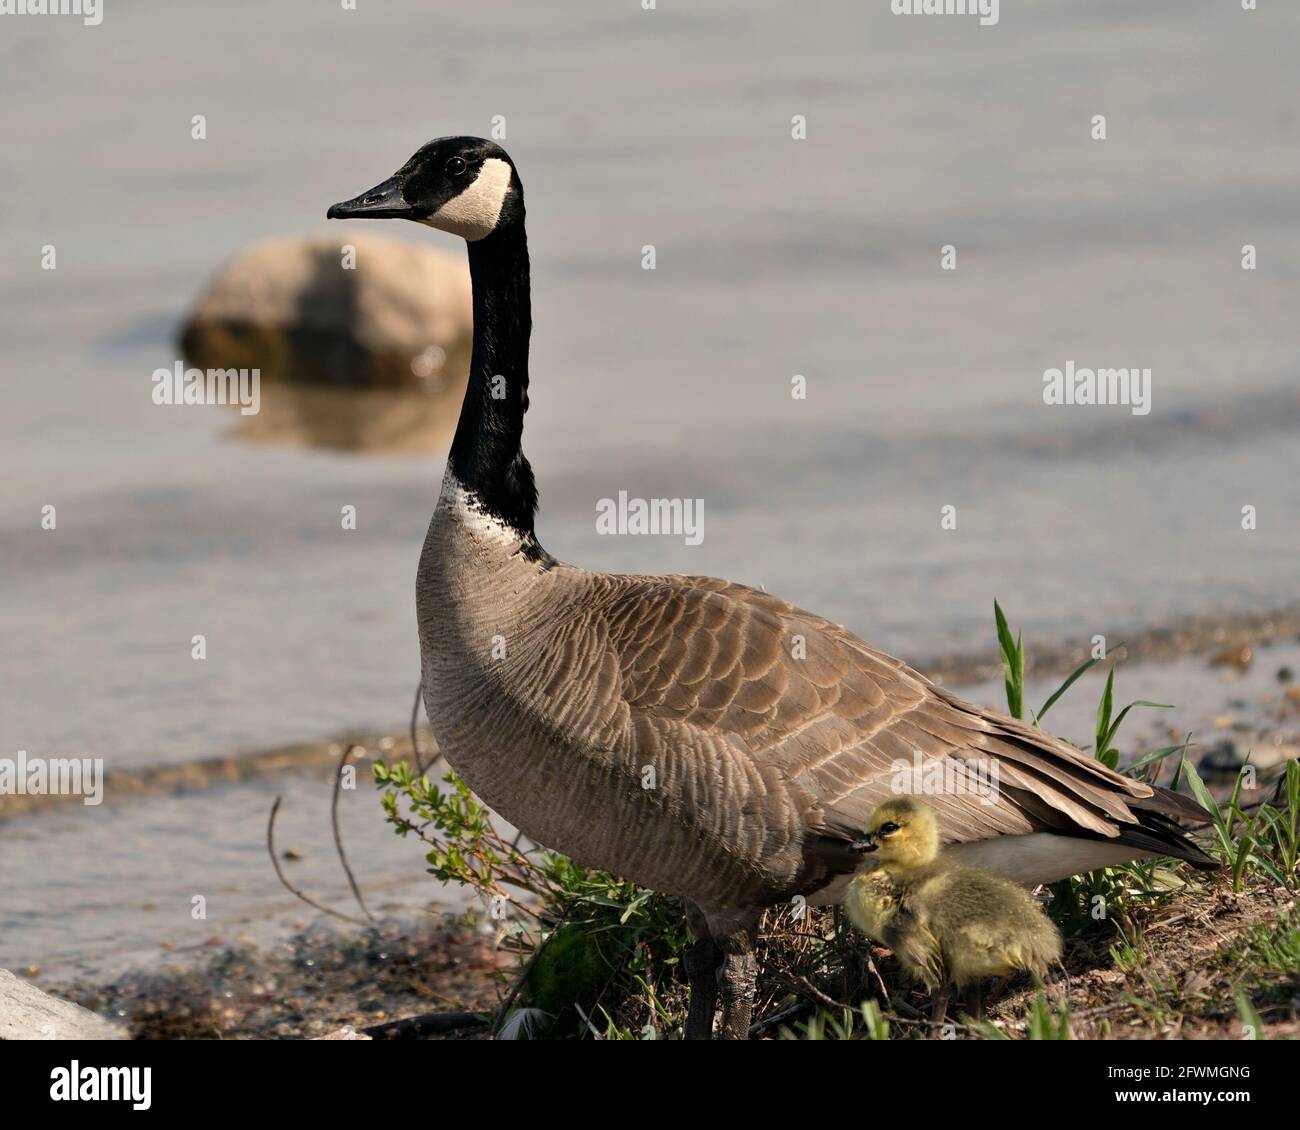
[1148, 758]
[1013, 663]
[1103, 714]
[1249, 1017]
[1065, 686]
[1201, 793]
[1114, 727]
[877, 1026]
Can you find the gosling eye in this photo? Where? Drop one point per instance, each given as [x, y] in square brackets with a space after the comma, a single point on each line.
[888, 829]
[455, 166]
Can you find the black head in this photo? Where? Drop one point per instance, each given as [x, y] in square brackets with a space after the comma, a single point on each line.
[464, 185]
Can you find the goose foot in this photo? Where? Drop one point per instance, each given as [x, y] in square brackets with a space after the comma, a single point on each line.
[701, 962]
[720, 963]
[739, 982]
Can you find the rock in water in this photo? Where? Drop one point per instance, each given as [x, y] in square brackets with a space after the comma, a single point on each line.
[362, 342]
[28, 1013]
[294, 309]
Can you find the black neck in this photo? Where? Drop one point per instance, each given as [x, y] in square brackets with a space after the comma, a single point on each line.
[485, 455]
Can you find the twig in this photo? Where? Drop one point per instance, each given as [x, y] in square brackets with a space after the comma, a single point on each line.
[420, 767]
[338, 838]
[511, 873]
[587, 1020]
[800, 984]
[288, 886]
[800, 1005]
[871, 968]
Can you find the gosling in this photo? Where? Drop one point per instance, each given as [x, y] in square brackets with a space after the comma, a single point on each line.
[948, 925]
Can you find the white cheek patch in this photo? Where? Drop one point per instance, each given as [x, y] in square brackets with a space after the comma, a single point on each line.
[474, 213]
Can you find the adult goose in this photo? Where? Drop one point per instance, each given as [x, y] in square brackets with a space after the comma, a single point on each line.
[771, 732]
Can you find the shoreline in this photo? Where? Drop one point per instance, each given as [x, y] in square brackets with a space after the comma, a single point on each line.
[1186, 637]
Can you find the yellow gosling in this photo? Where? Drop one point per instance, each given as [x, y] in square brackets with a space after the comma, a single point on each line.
[948, 925]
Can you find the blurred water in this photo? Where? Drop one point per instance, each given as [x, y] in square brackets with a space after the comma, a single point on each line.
[775, 257]
[97, 891]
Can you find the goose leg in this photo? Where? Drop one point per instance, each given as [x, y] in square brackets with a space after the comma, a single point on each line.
[701, 961]
[739, 983]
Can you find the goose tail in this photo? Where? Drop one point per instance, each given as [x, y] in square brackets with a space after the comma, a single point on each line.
[1158, 834]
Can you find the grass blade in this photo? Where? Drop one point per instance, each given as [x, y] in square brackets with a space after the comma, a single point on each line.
[1065, 686]
[1013, 664]
[1155, 755]
[1104, 708]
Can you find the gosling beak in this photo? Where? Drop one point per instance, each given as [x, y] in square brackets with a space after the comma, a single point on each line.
[864, 843]
[383, 202]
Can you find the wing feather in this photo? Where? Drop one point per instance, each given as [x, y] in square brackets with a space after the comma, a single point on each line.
[807, 723]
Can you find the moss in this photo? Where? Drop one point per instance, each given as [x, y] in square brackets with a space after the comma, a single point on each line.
[573, 969]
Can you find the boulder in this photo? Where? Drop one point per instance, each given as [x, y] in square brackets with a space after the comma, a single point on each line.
[400, 318]
[372, 355]
[28, 1013]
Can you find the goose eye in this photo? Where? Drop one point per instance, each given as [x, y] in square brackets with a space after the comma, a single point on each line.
[455, 166]
[888, 829]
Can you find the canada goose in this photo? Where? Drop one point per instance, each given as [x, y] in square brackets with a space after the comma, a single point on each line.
[947, 924]
[771, 732]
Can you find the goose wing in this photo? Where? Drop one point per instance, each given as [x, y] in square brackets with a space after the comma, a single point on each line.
[787, 725]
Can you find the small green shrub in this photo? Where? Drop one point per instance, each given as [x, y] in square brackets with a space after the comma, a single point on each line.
[598, 952]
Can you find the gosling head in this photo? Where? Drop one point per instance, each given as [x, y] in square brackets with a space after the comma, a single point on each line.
[464, 185]
[903, 833]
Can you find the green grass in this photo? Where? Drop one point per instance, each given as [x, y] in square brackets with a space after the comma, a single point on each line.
[1262, 842]
[1109, 896]
[1264, 966]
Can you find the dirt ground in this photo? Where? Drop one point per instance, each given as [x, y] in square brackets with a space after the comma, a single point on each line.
[1196, 954]
[316, 983]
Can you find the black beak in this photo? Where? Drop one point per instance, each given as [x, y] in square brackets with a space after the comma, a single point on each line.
[864, 843]
[383, 202]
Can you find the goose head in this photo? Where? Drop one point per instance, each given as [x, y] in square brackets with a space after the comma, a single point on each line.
[903, 833]
[463, 185]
